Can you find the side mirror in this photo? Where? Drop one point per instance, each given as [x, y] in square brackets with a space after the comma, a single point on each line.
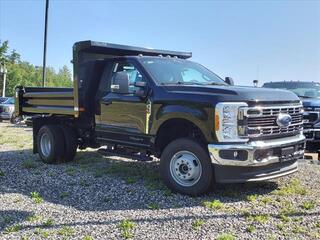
[120, 83]
[141, 91]
[229, 81]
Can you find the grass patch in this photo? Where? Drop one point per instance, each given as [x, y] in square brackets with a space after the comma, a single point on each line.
[66, 232]
[294, 187]
[225, 236]
[131, 172]
[41, 232]
[280, 226]
[259, 218]
[12, 229]
[286, 211]
[70, 171]
[64, 195]
[250, 229]
[214, 205]
[35, 196]
[299, 229]
[126, 226]
[2, 173]
[33, 218]
[196, 224]
[252, 198]
[266, 200]
[48, 223]
[308, 205]
[29, 164]
[87, 238]
[153, 206]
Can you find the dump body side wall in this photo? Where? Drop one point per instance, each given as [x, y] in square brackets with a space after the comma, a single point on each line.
[34, 101]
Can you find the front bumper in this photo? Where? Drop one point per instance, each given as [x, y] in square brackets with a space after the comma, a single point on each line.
[259, 160]
[5, 115]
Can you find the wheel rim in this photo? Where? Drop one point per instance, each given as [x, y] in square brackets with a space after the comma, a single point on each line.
[45, 144]
[185, 168]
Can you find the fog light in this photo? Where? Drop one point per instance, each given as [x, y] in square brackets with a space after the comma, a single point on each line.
[240, 155]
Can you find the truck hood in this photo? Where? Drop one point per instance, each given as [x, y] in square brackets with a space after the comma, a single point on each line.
[237, 93]
[311, 102]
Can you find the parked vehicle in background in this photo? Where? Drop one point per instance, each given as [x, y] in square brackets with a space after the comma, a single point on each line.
[139, 102]
[309, 93]
[2, 99]
[6, 109]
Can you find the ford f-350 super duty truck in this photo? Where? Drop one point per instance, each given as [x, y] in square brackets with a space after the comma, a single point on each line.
[141, 102]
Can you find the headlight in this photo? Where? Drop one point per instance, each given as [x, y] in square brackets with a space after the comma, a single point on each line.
[226, 121]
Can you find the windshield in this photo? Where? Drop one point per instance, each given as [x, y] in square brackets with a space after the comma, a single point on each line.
[302, 89]
[9, 101]
[168, 71]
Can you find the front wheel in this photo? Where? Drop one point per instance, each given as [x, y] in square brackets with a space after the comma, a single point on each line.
[185, 167]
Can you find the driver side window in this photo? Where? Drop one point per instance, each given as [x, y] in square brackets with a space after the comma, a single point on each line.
[132, 73]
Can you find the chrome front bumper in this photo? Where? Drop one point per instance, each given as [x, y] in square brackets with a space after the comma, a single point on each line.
[252, 147]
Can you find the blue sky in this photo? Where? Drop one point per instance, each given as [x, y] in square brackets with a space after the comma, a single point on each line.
[268, 40]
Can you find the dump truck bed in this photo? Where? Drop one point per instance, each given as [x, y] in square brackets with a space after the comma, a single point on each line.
[42, 100]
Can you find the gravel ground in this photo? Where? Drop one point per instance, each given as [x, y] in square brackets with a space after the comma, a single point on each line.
[97, 197]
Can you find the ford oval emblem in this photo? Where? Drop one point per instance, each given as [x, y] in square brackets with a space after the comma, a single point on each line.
[284, 120]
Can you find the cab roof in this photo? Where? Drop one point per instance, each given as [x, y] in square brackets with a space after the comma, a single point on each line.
[110, 49]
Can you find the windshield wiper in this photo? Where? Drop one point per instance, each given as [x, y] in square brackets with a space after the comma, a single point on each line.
[186, 83]
[218, 84]
[180, 83]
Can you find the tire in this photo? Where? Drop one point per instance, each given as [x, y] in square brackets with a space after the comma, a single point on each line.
[53, 135]
[71, 143]
[14, 119]
[189, 159]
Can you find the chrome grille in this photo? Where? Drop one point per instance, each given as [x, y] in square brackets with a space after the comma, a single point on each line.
[262, 120]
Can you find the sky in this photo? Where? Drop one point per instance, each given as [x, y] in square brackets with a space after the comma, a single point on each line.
[246, 40]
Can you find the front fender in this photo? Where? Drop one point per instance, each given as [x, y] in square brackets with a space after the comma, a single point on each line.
[200, 116]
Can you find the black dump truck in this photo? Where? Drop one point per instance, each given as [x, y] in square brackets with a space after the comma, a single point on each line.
[144, 103]
[309, 93]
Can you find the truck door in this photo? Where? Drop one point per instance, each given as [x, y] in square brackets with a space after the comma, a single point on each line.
[123, 118]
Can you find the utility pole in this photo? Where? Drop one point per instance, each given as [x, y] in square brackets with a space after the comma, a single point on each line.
[3, 70]
[45, 44]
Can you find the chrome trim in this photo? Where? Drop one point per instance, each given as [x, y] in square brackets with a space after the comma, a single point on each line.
[251, 147]
[271, 107]
[262, 120]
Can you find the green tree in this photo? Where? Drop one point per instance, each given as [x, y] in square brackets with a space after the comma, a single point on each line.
[26, 74]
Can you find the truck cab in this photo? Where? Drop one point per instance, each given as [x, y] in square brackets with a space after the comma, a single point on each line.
[145, 103]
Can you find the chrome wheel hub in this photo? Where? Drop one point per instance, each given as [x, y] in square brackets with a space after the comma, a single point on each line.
[45, 145]
[185, 168]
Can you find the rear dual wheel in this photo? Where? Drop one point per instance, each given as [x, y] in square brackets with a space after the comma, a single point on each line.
[56, 144]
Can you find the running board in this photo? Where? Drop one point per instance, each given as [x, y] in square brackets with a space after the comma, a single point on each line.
[134, 156]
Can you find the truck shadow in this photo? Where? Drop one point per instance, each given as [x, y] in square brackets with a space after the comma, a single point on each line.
[97, 183]
[11, 218]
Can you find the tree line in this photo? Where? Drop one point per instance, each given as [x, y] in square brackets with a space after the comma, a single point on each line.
[24, 73]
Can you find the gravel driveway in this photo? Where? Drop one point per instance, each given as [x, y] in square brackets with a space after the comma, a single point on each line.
[97, 197]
